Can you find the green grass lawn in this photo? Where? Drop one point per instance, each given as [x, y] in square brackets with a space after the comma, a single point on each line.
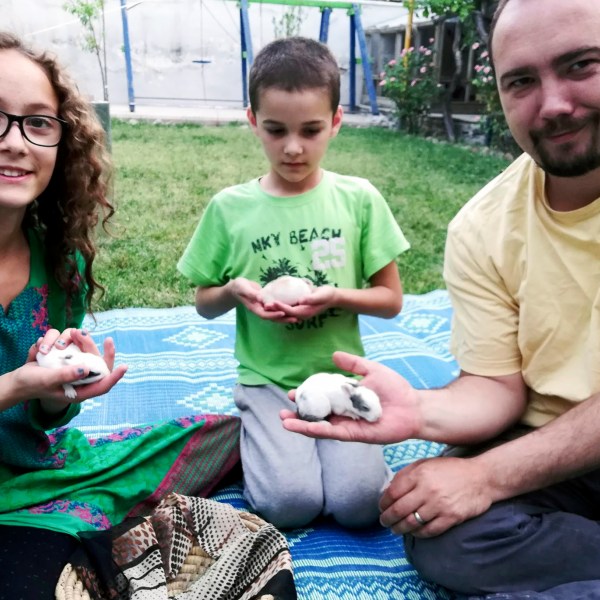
[167, 173]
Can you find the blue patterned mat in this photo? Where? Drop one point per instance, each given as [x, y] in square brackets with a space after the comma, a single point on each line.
[181, 364]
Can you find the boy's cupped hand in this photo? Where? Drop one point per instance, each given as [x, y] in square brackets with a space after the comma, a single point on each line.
[318, 301]
[247, 293]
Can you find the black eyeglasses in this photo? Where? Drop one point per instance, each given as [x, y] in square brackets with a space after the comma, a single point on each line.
[40, 130]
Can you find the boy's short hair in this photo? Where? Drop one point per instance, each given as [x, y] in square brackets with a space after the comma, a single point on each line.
[294, 64]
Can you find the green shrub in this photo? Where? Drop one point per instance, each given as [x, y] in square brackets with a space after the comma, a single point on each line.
[499, 135]
[410, 82]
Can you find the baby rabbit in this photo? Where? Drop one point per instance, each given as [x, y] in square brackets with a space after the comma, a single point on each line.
[73, 355]
[286, 289]
[323, 394]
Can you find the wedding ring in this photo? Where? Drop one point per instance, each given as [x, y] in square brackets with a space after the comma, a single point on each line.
[418, 518]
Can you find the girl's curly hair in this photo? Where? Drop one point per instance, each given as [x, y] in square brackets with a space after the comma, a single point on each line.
[67, 212]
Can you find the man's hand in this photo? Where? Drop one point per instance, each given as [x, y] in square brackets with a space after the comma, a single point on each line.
[400, 405]
[445, 491]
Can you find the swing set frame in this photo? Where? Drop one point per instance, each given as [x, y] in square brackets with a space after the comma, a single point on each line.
[247, 55]
[356, 33]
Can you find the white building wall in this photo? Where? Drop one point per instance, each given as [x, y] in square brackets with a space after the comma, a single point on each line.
[166, 36]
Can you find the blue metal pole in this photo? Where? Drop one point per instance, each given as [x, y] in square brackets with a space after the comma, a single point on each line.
[353, 59]
[324, 30]
[127, 47]
[365, 61]
[246, 42]
[243, 57]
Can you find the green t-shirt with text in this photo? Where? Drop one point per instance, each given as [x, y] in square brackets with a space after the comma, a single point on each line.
[340, 233]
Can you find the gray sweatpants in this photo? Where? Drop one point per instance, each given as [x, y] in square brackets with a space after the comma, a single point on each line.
[290, 479]
[544, 544]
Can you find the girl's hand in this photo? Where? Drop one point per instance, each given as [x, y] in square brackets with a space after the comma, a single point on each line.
[33, 381]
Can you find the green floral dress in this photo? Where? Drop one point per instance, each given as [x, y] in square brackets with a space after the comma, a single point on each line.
[23, 444]
[57, 479]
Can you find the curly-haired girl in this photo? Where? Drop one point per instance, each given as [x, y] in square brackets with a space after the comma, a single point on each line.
[59, 488]
[54, 182]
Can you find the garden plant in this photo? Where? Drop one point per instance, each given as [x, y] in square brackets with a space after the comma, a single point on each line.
[499, 136]
[410, 81]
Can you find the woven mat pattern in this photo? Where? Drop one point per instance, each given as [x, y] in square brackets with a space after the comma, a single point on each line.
[181, 364]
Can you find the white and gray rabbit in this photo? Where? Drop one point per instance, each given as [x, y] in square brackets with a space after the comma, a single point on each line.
[73, 355]
[323, 394]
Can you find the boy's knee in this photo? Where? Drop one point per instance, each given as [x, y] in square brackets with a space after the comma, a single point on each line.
[356, 505]
[354, 513]
[291, 516]
[288, 506]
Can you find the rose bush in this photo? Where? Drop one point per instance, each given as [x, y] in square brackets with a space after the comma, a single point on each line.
[484, 80]
[411, 83]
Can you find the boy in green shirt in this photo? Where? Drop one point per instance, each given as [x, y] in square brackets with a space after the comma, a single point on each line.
[300, 220]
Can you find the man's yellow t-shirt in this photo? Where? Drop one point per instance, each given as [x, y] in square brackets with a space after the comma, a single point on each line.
[525, 286]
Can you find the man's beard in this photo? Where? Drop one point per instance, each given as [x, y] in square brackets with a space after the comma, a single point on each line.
[569, 164]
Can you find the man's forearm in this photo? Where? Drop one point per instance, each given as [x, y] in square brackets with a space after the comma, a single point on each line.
[472, 409]
[562, 449]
